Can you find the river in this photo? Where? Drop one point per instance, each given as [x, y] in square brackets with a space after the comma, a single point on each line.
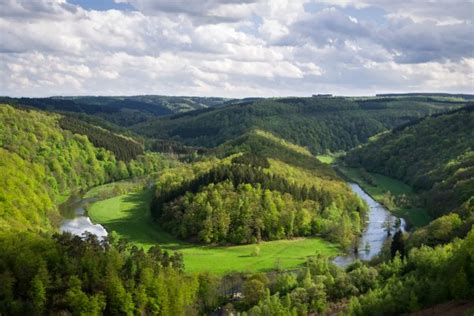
[76, 220]
[374, 234]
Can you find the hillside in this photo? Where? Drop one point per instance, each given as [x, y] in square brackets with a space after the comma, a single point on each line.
[40, 162]
[269, 190]
[318, 123]
[435, 156]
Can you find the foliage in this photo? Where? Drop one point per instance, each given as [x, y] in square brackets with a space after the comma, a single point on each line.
[435, 156]
[428, 276]
[425, 277]
[123, 148]
[247, 214]
[25, 201]
[130, 217]
[319, 123]
[66, 274]
[248, 197]
[40, 161]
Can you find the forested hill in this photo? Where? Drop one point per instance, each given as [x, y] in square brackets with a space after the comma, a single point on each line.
[434, 155]
[123, 111]
[41, 161]
[319, 123]
[267, 189]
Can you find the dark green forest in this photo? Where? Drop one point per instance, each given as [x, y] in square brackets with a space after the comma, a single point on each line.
[321, 124]
[121, 111]
[226, 172]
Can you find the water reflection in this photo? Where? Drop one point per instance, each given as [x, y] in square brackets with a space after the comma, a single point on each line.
[371, 242]
[76, 220]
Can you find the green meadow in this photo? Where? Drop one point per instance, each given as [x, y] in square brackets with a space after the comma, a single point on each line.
[128, 215]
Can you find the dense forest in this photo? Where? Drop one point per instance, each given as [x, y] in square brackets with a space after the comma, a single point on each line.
[321, 124]
[41, 161]
[425, 277]
[435, 156]
[65, 274]
[68, 274]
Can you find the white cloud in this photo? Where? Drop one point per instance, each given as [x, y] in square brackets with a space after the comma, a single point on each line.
[233, 48]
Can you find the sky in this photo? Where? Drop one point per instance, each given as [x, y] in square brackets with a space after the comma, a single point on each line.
[235, 48]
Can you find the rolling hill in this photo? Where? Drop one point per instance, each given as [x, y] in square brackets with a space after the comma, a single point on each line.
[319, 123]
[40, 161]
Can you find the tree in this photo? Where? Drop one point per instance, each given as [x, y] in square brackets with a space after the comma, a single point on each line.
[388, 224]
[254, 288]
[398, 244]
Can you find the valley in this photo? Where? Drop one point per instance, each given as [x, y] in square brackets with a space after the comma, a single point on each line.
[259, 211]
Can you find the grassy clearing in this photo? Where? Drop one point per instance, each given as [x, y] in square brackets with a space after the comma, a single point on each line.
[327, 159]
[129, 216]
[414, 216]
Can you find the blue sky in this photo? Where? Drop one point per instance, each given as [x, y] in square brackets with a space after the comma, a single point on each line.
[101, 5]
[235, 48]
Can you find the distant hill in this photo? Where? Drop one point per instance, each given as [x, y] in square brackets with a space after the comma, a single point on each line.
[320, 124]
[122, 111]
[434, 95]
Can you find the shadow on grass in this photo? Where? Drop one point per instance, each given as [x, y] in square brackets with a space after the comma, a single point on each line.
[135, 223]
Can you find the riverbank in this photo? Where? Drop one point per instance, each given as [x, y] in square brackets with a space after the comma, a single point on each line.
[375, 234]
[378, 186]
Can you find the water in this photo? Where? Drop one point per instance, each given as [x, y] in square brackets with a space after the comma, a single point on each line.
[374, 234]
[76, 220]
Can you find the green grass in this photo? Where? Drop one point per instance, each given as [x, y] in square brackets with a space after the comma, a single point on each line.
[416, 217]
[61, 198]
[129, 216]
[327, 159]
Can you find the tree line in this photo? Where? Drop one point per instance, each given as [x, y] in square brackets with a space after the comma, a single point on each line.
[321, 124]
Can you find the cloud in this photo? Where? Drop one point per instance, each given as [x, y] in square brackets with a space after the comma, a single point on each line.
[233, 48]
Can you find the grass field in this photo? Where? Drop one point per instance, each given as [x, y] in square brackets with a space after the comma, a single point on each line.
[414, 216]
[327, 159]
[129, 216]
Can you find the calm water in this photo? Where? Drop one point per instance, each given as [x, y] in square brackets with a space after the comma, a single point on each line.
[374, 234]
[76, 220]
